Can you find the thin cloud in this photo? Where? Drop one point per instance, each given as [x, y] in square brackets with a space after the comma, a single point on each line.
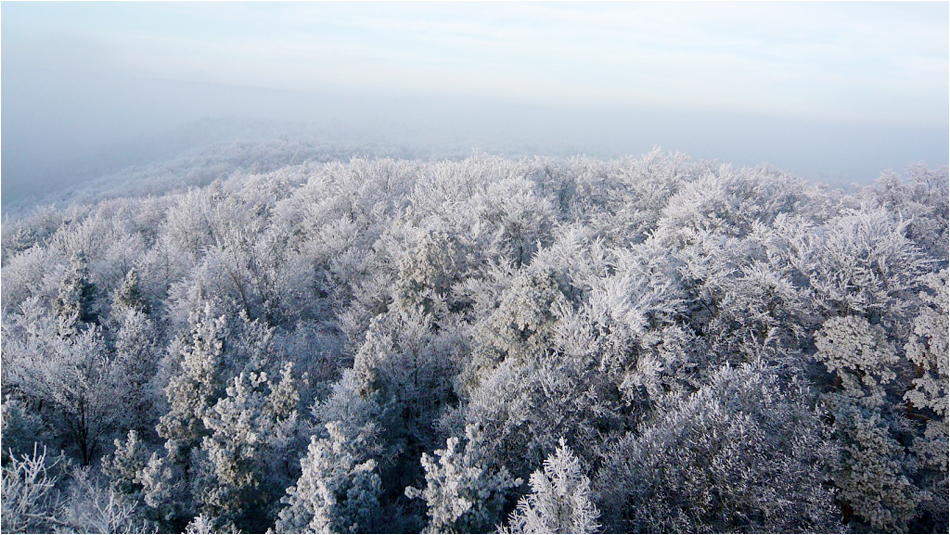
[764, 58]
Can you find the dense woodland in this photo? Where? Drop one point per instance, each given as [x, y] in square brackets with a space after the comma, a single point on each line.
[538, 345]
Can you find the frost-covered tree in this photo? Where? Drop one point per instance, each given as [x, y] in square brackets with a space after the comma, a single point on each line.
[34, 500]
[21, 430]
[875, 473]
[166, 494]
[560, 499]
[462, 493]
[517, 323]
[641, 292]
[872, 471]
[338, 489]
[362, 415]
[921, 199]
[727, 201]
[125, 465]
[426, 275]
[673, 361]
[859, 355]
[743, 454]
[73, 305]
[523, 410]
[927, 349]
[187, 226]
[516, 219]
[664, 317]
[193, 391]
[864, 264]
[137, 345]
[91, 506]
[129, 294]
[71, 380]
[169, 483]
[30, 501]
[408, 361]
[200, 524]
[241, 477]
[245, 267]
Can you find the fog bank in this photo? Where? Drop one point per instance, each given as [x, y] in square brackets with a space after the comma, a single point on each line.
[61, 130]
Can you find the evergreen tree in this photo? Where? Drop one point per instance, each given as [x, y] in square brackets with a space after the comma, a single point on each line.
[254, 426]
[338, 489]
[125, 465]
[463, 494]
[196, 388]
[129, 294]
[21, 430]
[170, 482]
[560, 499]
[74, 302]
[137, 343]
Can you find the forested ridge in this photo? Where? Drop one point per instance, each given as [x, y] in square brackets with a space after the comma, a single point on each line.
[538, 345]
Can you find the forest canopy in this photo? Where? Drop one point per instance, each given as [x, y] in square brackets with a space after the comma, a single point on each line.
[553, 345]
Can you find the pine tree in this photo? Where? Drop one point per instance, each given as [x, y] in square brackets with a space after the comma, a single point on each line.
[74, 302]
[125, 465]
[169, 482]
[193, 391]
[560, 499]
[137, 353]
[129, 294]
[463, 494]
[21, 430]
[407, 362]
[337, 492]
[426, 275]
[251, 429]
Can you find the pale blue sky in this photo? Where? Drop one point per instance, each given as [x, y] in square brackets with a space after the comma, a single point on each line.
[874, 62]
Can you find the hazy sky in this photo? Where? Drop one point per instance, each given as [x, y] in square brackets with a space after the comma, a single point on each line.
[880, 66]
